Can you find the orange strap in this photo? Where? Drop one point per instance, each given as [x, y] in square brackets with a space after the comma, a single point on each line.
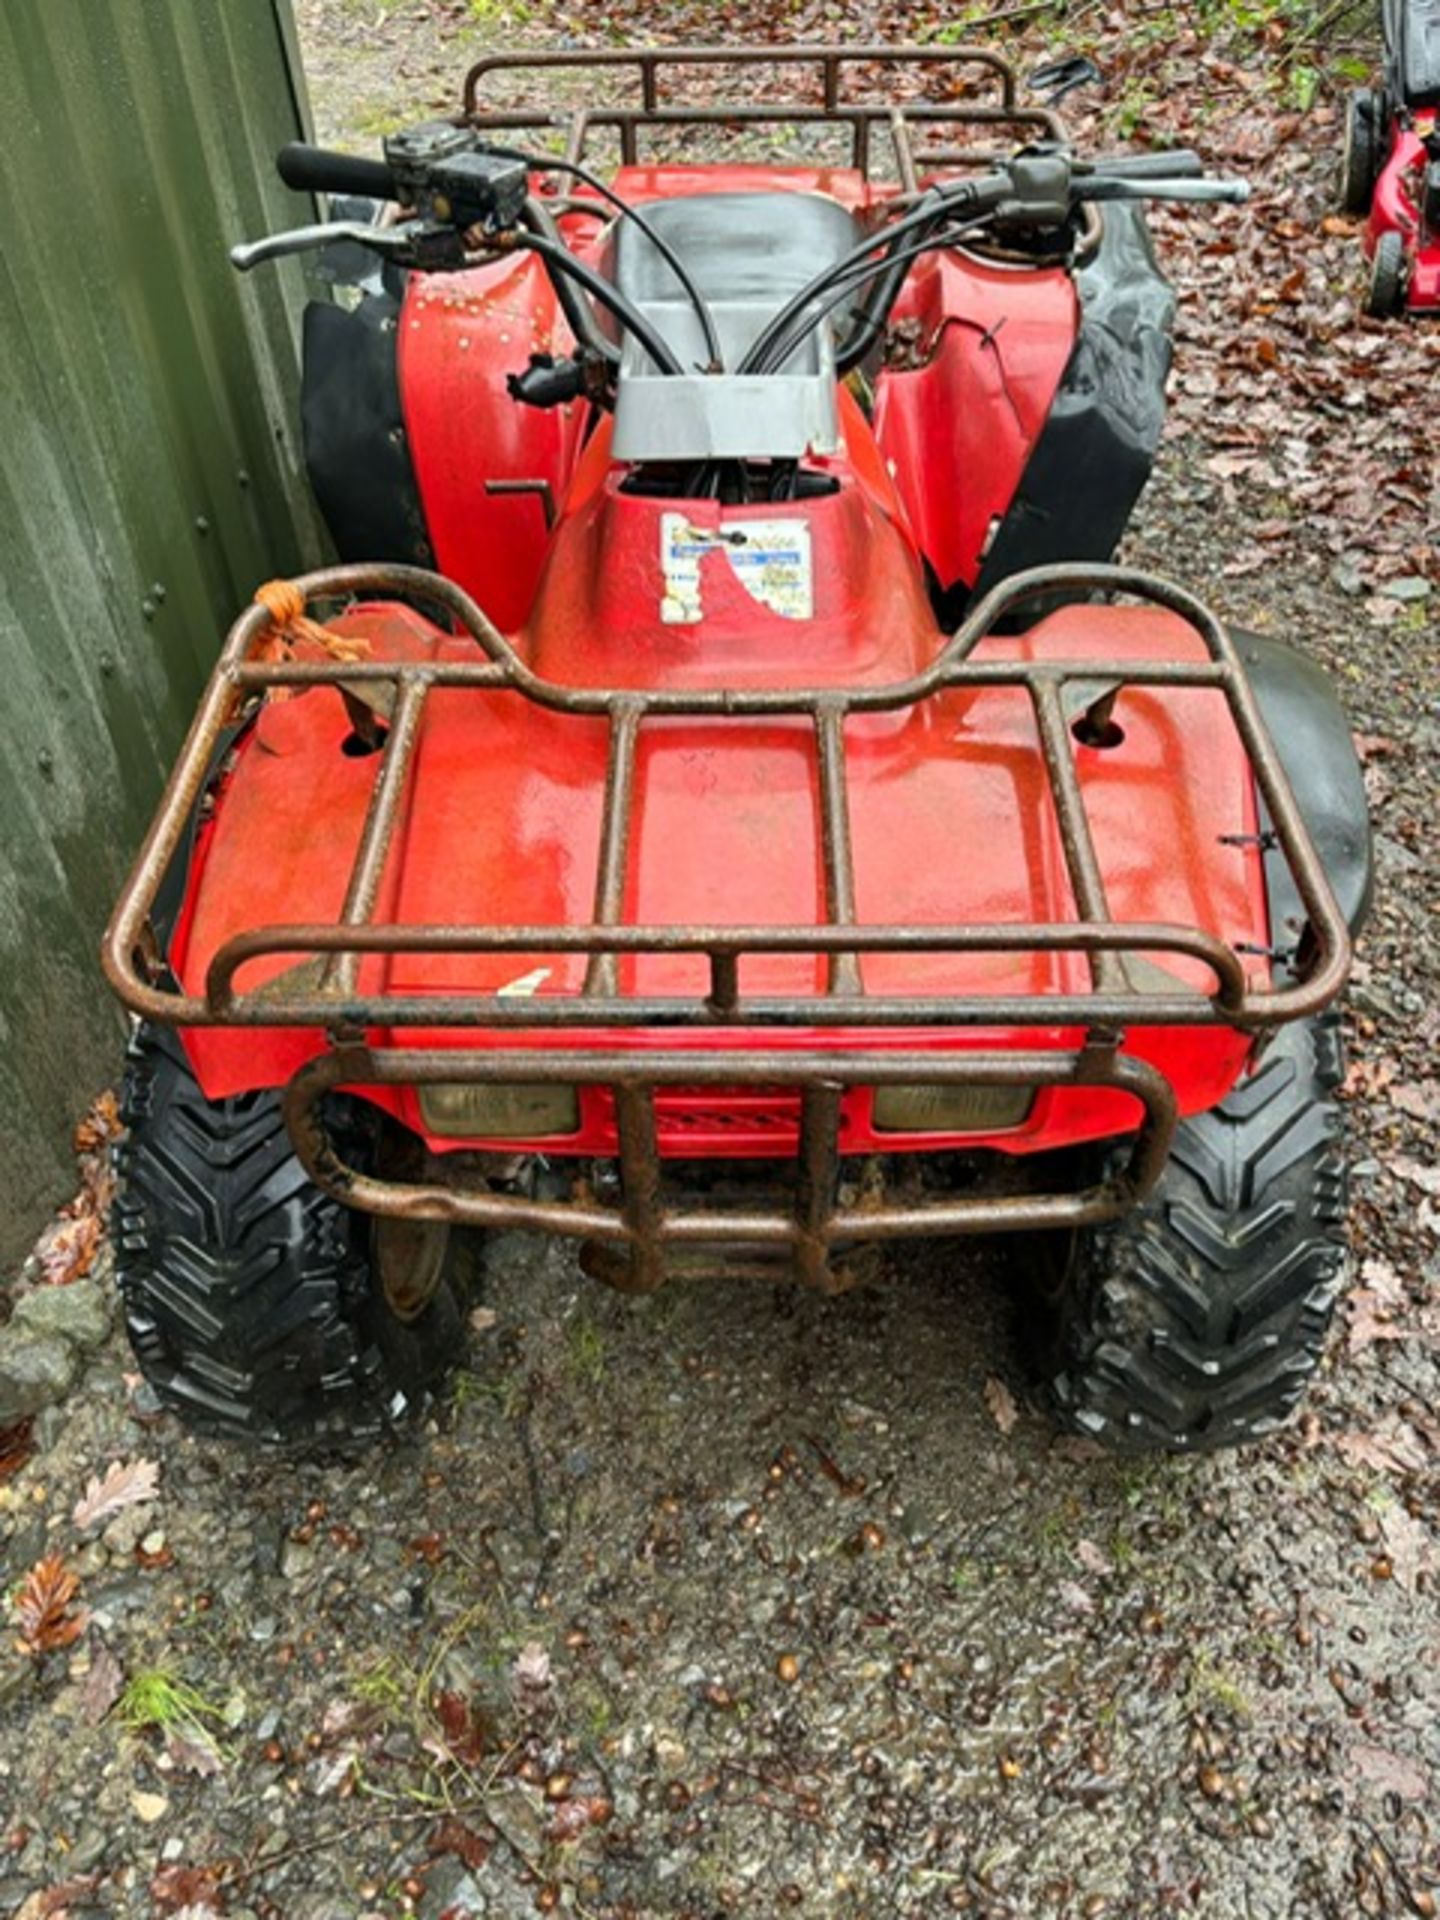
[291, 627]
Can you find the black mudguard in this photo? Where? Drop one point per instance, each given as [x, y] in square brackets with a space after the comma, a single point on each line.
[355, 445]
[1097, 446]
[1313, 739]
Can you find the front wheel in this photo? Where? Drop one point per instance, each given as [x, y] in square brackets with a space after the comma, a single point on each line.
[257, 1305]
[1385, 292]
[1360, 155]
[1195, 1321]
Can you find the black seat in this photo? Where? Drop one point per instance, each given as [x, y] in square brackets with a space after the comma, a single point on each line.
[750, 248]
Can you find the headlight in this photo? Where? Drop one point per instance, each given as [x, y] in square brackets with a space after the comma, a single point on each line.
[495, 1111]
[953, 1107]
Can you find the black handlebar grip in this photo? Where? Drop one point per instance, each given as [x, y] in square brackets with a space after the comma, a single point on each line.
[1177, 163]
[317, 170]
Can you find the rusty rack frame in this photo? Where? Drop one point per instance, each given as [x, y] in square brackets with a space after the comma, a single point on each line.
[829, 65]
[642, 1228]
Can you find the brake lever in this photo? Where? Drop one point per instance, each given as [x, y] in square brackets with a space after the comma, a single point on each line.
[275, 246]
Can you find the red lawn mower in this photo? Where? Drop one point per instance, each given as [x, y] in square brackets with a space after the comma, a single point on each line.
[730, 813]
[1391, 165]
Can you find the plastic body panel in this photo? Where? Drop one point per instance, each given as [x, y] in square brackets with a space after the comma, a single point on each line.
[1092, 458]
[1019, 373]
[950, 815]
[490, 471]
[959, 429]
[355, 447]
[1315, 744]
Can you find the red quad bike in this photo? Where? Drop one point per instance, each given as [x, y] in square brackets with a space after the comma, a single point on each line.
[732, 816]
[1391, 165]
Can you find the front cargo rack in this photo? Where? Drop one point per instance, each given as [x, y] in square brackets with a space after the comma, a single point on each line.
[642, 1228]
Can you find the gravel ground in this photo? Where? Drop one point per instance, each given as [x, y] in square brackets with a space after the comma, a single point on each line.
[738, 1602]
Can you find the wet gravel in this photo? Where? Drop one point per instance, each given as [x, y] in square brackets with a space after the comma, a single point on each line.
[738, 1602]
[803, 1631]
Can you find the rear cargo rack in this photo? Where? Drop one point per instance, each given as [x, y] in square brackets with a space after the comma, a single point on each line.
[656, 73]
[642, 1227]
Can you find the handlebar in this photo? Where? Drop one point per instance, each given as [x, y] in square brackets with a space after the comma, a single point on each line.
[1171, 163]
[319, 170]
[1111, 186]
[465, 197]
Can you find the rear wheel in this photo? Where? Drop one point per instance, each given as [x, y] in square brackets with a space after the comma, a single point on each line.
[1360, 155]
[255, 1303]
[1196, 1320]
[1385, 293]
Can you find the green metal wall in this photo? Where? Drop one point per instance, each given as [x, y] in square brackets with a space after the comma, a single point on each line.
[149, 478]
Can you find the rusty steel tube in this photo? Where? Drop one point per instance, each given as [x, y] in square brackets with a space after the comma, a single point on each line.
[828, 59]
[600, 975]
[837, 854]
[1082, 865]
[953, 667]
[642, 1228]
[342, 967]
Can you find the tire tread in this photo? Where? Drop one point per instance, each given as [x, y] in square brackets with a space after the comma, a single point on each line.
[246, 1290]
[1196, 1321]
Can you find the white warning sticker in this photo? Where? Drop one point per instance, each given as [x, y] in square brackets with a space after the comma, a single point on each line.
[770, 558]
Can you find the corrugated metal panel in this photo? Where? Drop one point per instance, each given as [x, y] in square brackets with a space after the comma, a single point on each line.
[150, 477]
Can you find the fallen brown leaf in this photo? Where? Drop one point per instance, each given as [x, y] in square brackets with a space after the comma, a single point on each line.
[101, 1687]
[67, 1248]
[192, 1752]
[1000, 1403]
[1426, 1178]
[43, 1603]
[462, 1728]
[124, 1484]
[16, 1447]
[1368, 1315]
[1420, 1101]
[176, 1887]
[100, 1126]
[54, 1903]
[1372, 746]
[1409, 1543]
[1076, 1598]
[1094, 1559]
[453, 1836]
[1398, 1449]
[1365, 1077]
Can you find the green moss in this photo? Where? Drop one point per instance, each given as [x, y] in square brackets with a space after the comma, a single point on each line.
[1214, 1688]
[586, 1345]
[155, 1697]
[384, 1684]
[499, 13]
